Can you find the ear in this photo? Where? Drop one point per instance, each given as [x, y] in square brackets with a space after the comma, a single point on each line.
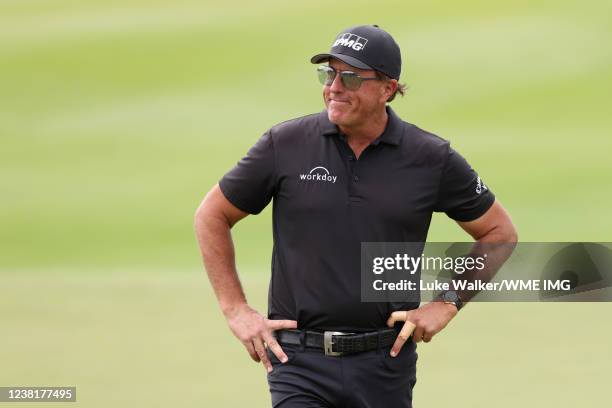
[388, 89]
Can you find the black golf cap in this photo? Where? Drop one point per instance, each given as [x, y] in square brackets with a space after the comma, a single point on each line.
[366, 47]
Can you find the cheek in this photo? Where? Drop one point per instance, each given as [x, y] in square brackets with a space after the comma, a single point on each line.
[370, 102]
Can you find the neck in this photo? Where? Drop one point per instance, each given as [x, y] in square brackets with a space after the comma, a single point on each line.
[367, 132]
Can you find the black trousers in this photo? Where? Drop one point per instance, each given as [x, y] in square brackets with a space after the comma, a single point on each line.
[365, 380]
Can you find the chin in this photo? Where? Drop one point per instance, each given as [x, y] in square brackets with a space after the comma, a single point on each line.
[337, 118]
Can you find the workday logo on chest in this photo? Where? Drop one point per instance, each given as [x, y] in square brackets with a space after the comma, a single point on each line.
[318, 174]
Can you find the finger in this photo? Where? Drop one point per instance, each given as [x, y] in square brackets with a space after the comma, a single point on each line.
[251, 349]
[402, 337]
[417, 335]
[427, 337]
[400, 315]
[263, 355]
[276, 348]
[281, 324]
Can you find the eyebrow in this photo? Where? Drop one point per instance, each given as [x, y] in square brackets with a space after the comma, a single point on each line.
[351, 69]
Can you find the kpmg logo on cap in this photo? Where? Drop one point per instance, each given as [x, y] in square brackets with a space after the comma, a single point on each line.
[351, 40]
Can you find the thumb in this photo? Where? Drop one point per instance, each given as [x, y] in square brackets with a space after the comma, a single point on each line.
[399, 316]
[281, 324]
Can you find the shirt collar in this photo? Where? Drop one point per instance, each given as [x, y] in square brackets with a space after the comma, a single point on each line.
[391, 135]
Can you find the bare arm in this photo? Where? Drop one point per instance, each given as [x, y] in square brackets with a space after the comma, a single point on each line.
[214, 219]
[494, 226]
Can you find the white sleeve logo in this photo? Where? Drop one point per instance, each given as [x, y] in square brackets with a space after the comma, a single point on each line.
[480, 186]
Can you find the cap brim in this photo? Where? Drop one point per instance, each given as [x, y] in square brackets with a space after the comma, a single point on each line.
[352, 61]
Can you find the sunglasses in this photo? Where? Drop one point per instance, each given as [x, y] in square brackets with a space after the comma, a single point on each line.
[350, 80]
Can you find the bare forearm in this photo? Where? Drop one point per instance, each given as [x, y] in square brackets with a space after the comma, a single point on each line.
[213, 222]
[217, 248]
[495, 246]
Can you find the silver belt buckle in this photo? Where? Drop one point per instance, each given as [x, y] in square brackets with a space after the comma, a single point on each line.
[328, 342]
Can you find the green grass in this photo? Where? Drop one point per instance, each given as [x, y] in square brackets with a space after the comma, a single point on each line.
[134, 339]
[117, 117]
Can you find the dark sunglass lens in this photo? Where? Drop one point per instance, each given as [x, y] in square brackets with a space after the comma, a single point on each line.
[326, 75]
[351, 81]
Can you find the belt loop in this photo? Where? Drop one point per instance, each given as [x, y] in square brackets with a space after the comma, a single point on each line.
[378, 340]
[303, 340]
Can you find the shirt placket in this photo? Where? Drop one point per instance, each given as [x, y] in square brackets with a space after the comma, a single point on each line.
[354, 168]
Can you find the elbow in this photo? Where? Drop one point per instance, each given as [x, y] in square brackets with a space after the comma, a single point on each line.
[514, 235]
[506, 229]
[510, 234]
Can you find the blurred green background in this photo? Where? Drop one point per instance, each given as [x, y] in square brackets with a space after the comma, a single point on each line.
[116, 117]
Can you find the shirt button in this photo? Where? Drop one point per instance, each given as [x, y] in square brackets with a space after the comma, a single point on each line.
[355, 179]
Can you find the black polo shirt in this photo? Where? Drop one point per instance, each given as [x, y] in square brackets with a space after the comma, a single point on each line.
[326, 202]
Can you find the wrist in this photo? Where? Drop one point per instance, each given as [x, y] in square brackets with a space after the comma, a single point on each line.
[451, 298]
[230, 310]
[451, 307]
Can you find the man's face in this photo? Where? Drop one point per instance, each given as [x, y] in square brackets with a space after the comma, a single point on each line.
[348, 108]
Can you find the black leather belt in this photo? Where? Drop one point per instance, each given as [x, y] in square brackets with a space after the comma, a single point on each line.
[338, 343]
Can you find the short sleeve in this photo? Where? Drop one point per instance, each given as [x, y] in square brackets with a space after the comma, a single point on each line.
[463, 195]
[250, 184]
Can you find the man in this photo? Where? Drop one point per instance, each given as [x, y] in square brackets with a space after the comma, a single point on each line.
[353, 173]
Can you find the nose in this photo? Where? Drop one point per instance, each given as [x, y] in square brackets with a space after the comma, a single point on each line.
[336, 85]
